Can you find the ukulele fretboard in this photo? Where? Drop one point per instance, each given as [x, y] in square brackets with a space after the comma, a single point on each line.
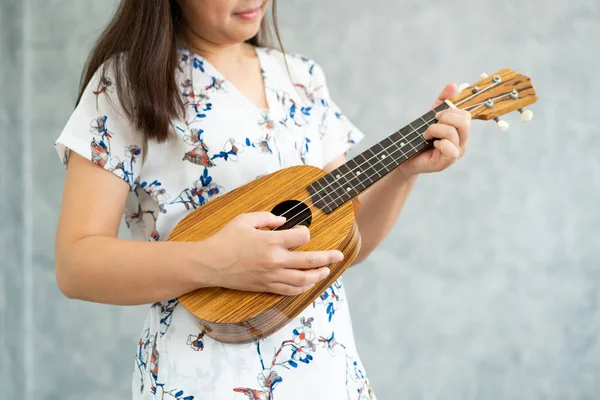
[356, 175]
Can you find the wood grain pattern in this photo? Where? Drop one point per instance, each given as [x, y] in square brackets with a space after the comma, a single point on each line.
[234, 316]
[499, 93]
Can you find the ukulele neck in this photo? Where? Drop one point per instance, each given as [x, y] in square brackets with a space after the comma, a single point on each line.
[355, 176]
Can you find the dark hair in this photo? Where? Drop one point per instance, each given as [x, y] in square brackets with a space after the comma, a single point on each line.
[147, 32]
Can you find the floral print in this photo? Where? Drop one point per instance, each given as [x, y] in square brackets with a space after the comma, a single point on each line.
[305, 347]
[331, 298]
[223, 141]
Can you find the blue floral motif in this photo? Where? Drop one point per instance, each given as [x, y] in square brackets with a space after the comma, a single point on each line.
[330, 298]
[102, 154]
[166, 313]
[198, 64]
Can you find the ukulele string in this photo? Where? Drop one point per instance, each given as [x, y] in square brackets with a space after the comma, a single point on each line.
[380, 160]
[370, 176]
[317, 210]
[472, 107]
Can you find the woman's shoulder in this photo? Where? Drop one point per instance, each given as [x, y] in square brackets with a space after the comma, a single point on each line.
[301, 67]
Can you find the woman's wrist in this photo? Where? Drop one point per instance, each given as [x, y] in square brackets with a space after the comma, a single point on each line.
[200, 267]
[403, 175]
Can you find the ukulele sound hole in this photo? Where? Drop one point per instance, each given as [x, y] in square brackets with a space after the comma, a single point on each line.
[296, 212]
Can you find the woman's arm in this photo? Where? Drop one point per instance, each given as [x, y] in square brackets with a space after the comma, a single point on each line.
[93, 264]
[382, 203]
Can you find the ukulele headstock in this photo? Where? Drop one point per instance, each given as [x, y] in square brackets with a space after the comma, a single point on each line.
[495, 95]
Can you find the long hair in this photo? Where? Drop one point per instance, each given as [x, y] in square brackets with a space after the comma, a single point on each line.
[147, 32]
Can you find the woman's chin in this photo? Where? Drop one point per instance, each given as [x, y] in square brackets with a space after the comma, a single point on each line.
[243, 34]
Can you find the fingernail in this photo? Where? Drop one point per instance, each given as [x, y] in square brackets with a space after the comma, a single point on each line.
[326, 271]
[339, 256]
[437, 116]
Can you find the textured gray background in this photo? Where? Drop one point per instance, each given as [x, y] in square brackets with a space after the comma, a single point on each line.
[487, 288]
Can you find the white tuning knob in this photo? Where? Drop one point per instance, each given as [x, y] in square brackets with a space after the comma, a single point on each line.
[462, 87]
[483, 75]
[526, 115]
[502, 125]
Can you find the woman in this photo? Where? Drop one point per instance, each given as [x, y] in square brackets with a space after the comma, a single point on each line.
[181, 103]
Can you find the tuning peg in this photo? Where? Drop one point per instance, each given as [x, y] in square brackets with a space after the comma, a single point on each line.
[526, 115]
[483, 75]
[502, 125]
[462, 87]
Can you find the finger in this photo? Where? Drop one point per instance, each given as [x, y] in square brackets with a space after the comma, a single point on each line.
[262, 219]
[461, 121]
[298, 236]
[442, 131]
[312, 259]
[287, 290]
[448, 149]
[449, 91]
[453, 114]
[301, 278]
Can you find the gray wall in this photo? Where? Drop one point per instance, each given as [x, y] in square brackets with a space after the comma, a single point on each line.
[487, 288]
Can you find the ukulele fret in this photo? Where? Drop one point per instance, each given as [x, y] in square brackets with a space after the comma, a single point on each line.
[356, 175]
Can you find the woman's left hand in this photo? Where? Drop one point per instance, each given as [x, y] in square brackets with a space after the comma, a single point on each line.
[451, 134]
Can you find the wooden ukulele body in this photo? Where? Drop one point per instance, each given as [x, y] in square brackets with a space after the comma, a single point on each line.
[234, 316]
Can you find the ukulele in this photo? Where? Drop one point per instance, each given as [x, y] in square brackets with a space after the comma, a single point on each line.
[323, 202]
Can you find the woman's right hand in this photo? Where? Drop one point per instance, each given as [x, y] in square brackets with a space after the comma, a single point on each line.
[244, 257]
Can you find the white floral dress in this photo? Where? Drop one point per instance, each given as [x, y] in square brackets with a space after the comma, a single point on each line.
[222, 142]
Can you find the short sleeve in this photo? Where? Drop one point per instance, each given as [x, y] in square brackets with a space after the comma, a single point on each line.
[100, 131]
[338, 133]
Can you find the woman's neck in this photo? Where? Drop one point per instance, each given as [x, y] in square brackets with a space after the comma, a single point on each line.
[219, 54]
[238, 63]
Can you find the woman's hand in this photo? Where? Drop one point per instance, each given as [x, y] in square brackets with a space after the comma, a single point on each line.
[451, 134]
[244, 257]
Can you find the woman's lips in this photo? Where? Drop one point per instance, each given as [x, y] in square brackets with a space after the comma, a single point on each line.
[248, 15]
